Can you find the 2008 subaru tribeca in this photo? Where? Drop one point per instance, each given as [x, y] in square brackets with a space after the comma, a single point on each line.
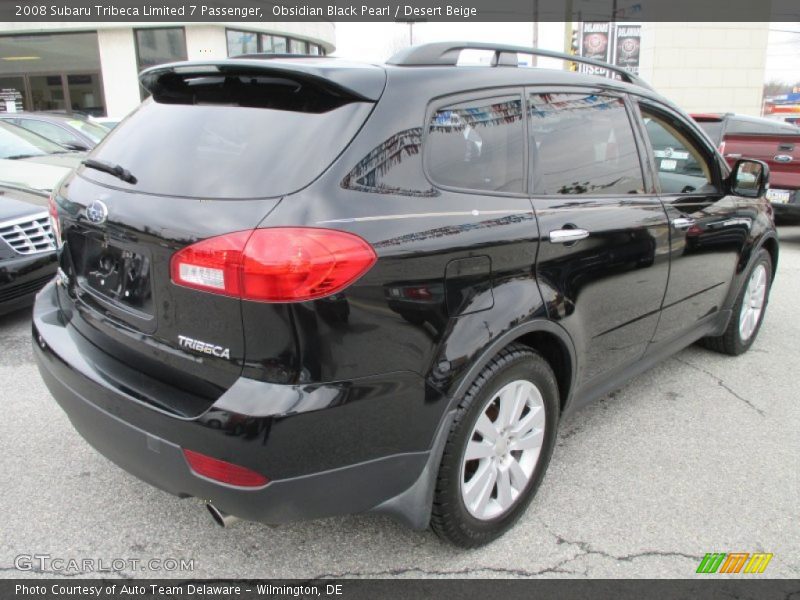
[300, 287]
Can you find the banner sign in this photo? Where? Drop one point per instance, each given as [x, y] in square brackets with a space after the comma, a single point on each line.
[595, 41]
[626, 47]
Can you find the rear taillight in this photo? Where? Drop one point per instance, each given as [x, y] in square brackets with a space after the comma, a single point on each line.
[722, 148]
[52, 208]
[223, 471]
[281, 264]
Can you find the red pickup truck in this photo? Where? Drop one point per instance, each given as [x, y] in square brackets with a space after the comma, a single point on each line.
[775, 142]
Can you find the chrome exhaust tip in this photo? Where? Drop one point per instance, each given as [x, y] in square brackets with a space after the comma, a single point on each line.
[220, 517]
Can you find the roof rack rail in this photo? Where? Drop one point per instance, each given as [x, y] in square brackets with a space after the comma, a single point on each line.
[447, 53]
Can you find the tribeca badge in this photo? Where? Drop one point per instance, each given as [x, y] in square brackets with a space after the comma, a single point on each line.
[734, 562]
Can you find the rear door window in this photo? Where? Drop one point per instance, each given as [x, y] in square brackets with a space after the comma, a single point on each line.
[582, 143]
[478, 145]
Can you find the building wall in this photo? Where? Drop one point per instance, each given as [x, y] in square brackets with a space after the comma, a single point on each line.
[707, 67]
[118, 69]
[117, 48]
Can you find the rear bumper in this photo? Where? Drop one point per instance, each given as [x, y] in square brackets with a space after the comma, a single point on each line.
[788, 211]
[148, 442]
[22, 277]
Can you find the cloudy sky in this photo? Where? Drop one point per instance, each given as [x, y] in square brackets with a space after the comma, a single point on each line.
[377, 41]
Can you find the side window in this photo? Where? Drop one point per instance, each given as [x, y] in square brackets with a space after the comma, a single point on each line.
[478, 145]
[51, 132]
[683, 166]
[582, 144]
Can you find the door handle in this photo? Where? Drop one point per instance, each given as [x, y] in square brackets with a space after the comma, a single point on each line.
[682, 223]
[565, 236]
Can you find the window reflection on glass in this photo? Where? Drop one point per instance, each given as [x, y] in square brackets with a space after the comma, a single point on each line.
[478, 145]
[241, 42]
[273, 44]
[47, 92]
[582, 144]
[297, 47]
[85, 93]
[52, 132]
[157, 46]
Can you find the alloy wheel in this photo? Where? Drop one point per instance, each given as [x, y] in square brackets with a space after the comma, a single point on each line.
[503, 450]
[753, 302]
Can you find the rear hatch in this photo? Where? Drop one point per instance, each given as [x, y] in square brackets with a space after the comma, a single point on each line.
[212, 152]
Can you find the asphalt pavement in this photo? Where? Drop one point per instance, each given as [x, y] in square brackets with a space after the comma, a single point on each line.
[700, 454]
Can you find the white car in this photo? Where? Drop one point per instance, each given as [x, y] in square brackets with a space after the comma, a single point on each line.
[31, 161]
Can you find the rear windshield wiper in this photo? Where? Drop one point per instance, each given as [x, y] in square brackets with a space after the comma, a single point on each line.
[115, 170]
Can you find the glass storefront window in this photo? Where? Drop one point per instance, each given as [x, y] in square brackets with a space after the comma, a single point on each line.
[47, 92]
[85, 93]
[248, 42]
[12, 91]
[241, 42]
[297, 47]
[51, 71]
[157, 46]
[273, 44]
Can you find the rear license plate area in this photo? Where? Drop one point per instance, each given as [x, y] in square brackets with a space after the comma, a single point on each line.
[779, 196]
[116, 274]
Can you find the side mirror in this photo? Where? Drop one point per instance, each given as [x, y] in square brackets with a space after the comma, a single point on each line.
[749, 178]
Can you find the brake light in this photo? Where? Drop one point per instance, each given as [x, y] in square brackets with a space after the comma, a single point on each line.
[223, 471]
[722, 148]
[52, 209]
[281, 264]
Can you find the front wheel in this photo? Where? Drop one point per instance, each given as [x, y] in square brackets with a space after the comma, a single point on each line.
[748, 310]
[498, 448]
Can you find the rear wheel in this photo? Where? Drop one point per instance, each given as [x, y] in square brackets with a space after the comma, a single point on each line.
[748, 311]
[498, 448]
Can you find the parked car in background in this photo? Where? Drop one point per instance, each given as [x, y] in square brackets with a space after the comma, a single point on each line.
[395, 317]
[27, 246]
[31, 161]
[75, 132]
[775, 142]
[107, 122]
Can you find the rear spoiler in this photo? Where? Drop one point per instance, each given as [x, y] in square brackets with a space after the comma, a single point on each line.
[355, 81]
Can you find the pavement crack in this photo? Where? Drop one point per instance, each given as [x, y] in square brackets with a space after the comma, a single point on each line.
[722, 384]
[449, 572]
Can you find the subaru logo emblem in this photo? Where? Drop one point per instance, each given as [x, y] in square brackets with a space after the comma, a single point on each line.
[97, 212]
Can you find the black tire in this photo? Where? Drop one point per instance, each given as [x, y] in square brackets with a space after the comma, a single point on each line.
[731, 342]
[450, 518]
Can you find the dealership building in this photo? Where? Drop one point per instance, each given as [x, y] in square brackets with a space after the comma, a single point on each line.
[93, 67]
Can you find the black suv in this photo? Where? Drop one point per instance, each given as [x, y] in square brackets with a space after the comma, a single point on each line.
[300, 287]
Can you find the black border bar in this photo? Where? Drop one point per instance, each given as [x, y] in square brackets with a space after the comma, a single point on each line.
[399, 10]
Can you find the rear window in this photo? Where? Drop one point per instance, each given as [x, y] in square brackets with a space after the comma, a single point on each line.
[713, 129]
[92, 131]
[478, 145]
[16, 142]
[224, 151]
